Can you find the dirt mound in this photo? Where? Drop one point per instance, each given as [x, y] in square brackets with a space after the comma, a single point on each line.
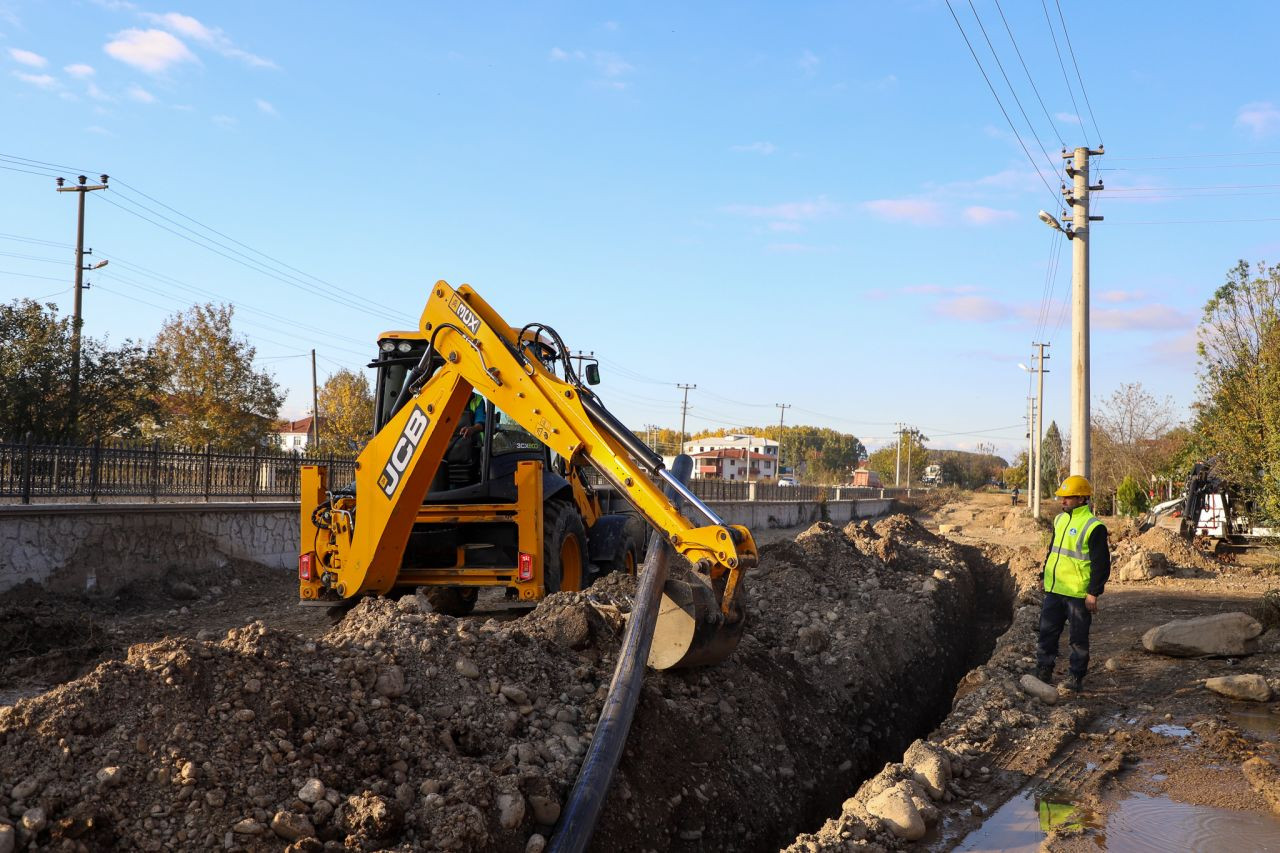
[1179, 553]
[404, 729]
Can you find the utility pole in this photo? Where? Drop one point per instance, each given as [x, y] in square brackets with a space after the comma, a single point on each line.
[910, 436]
[684, 409]
[580, 357]
[782, 413]
[1078, 198]
[315, 407]
[1035, 507]
[897, 470]
[82, 187]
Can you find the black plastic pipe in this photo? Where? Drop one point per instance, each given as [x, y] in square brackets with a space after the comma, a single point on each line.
[578, 822]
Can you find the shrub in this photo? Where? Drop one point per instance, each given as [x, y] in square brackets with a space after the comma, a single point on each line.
[1131, 498]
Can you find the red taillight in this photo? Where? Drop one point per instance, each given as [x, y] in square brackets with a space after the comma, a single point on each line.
[306, 563]
[525, 573]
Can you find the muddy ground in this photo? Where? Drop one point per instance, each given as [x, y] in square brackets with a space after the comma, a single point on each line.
[214, 716]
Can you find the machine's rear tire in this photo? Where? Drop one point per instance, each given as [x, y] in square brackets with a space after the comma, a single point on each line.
[564, 548]
[624, 560]
[453, 600]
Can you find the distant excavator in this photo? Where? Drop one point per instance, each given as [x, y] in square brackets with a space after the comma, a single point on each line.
[476, 477]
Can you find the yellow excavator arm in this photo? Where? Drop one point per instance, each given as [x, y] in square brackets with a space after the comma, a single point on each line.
[472, 348]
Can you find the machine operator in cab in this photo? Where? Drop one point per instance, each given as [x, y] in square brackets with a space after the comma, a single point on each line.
[1076, 570]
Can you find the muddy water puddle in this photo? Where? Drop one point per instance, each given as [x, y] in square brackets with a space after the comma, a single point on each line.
[1259, 722]
[1138, 824]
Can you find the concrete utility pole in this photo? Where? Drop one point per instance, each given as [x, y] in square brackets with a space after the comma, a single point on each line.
[684, 409]
[1078, 171]
[315, 406]
[77, 322]
[1031, 449]
[1035, 507]
[910, 437]
[782, 413]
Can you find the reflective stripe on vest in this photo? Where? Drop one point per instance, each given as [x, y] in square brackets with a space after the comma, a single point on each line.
[1068, 570]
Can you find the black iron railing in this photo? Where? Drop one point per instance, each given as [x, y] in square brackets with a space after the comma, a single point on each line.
[112, 470]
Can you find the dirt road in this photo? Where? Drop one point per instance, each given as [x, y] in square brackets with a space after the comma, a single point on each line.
[1158, 761]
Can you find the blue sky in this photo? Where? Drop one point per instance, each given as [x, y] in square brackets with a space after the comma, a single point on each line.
[819, 204]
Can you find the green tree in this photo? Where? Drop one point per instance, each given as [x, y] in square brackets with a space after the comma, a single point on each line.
[117, 385]
[887, 464]
[1051, 460]
[346, 411]
[1015, 476]
[211, 393]
[1238, 408]
[1131, 497]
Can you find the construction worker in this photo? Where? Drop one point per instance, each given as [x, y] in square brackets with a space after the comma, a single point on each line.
[1076, 570]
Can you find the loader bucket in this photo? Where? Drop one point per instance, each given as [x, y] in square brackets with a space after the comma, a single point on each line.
[691, 629]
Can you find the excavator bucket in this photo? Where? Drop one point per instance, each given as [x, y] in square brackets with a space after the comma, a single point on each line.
[692, 629]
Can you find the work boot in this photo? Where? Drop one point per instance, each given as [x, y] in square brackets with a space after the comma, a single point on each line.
[1076, 683]
[1045, 674]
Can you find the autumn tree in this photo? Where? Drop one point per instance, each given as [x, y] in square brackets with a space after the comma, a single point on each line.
[211, 393]
[1238, 410]
[346, 411]
[887, 464]
[1128, 438]
[117, 385]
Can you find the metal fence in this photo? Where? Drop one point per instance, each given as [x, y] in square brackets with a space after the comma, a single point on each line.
[32, 470]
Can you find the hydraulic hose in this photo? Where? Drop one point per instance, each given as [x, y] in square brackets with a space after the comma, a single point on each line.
[586, 800]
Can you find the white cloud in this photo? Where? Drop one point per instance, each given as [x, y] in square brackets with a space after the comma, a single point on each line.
[913, 210]
[1067, 118]
[1114, 296]
[223, 121]
[27, 58]
[789, 227]
[1260, 117]
[99, 130]
[266, 107]
[97, 94]
[611, 26]
[934, 289]
[609, 65]
[44, 81]
[153, 51]
[808, 62]
[791, 211]
[979, 215]
[975, 309]
[790, 247]
[79, 70]
[185, 25]
[1144, 317]
[755, 148]
[141, 95]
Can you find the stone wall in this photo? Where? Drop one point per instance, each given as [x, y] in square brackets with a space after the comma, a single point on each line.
[79, 547]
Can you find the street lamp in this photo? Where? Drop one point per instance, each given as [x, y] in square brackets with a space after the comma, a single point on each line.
[1048, 219]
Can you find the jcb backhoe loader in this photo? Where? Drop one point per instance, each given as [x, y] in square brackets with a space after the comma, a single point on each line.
[475, 477]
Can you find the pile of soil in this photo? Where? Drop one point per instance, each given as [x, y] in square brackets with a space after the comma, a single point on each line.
[405, 729]
[1179, 553]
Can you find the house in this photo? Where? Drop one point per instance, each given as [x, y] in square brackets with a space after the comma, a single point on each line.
[734, 457]
[293, 435]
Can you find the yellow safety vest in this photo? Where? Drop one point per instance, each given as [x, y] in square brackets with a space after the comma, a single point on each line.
[1067, 570]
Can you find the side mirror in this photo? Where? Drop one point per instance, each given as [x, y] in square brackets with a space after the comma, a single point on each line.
[593, 374]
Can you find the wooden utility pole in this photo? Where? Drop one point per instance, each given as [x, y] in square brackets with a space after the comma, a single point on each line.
[684, 410]
[82, 187]
[315, 406]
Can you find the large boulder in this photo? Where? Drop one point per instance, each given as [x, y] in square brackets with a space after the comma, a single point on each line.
[896, 808]
[1253, 688]
[1143, 566]
[1223, 634]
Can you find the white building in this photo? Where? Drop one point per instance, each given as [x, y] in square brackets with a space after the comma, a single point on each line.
[734, 457]
[293, 435]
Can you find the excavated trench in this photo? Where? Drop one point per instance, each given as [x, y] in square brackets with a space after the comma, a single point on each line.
[404, 729]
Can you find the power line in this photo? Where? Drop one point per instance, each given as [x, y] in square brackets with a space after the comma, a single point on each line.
[1192, 221]
[1187, 168]
[1003, 111]
[1061, 64]
[1083, 91]
[1012, 91]
[1052, 123]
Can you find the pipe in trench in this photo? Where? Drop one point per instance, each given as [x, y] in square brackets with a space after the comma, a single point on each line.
[586, 800]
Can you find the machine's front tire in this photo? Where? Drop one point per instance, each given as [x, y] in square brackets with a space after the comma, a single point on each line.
[453, 600]
[564, 548]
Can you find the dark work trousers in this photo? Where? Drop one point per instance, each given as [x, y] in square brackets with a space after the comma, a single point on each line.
[1054, 613]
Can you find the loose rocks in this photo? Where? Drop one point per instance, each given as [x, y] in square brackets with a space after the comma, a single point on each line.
[1253, 688]
[1046, 693]
[1143, 566]
[1222, 634]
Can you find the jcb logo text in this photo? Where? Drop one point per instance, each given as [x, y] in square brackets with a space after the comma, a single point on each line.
[405, 447]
